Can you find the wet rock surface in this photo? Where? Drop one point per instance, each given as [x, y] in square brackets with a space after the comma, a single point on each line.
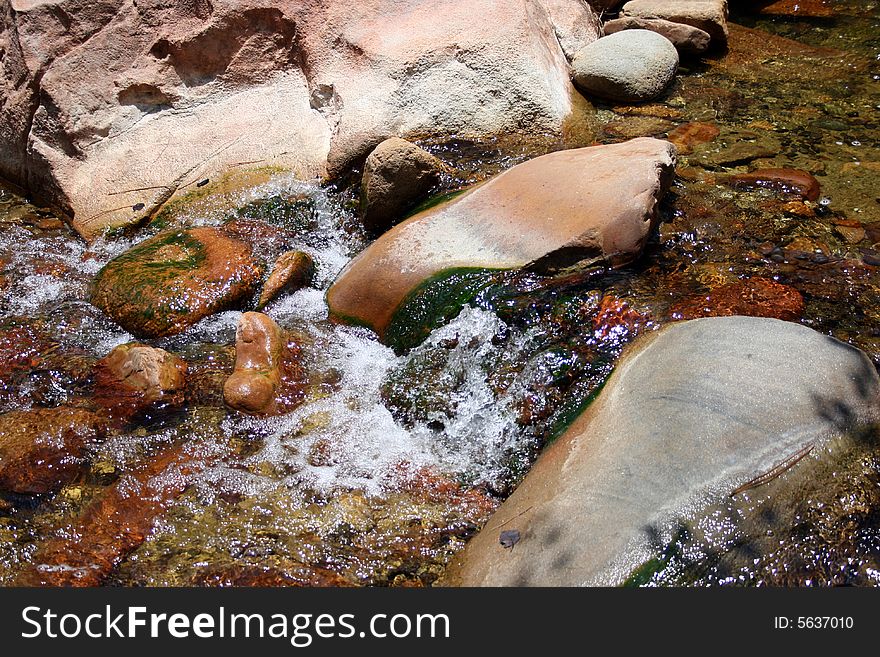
[492, 226]
[397, 175]
[42, 449]
[133, 377]
[173, 280]
[737, 396]
[267, 378]
[292, 271]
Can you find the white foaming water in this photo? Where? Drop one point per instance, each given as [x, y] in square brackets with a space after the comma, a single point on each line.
[347, 439]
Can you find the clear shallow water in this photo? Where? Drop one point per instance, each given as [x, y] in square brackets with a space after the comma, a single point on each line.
[393, 461]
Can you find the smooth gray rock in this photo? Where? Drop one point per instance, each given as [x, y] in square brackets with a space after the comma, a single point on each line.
[687, 39]
[629, 66]
[690, 413]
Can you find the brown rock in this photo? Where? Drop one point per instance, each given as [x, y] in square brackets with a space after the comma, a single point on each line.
[397, 175]
[755, 297]
[790, 181]
[115, 523]
[687, 135]
[293, 270]
[44, 448]
[169, 282]
[687, 39]
[550, 212]
[267, 378]
[617, 319]
[134, 377]
[707, 15]
[797, 8]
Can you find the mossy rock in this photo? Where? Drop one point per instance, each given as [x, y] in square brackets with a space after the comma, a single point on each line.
[168, 283]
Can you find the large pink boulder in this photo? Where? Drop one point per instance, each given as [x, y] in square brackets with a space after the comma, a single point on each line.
[110, 108]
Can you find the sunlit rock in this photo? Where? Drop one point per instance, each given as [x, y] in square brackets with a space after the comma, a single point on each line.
[134, 377]
[707, 15]
[596, 203]
[171, 281]
[292, 271]
[690, 414]
[267, 378]
[397, 174]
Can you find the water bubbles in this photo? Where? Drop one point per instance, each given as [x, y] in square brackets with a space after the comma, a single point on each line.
[825, 201]
[856, 142]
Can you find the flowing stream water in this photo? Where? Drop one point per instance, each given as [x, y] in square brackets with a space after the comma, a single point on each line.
[394, 460]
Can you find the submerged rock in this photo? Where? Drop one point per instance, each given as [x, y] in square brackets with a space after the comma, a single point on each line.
[690, 413]
[687, 39]
[791, 181]
[293, 270]
[266, 379]
[547, 213]
[629, 66]
[397, 175]
[44, 448]
[687, 135]
[756, 297]
[134, 377]
[169, 282]
[707, 15]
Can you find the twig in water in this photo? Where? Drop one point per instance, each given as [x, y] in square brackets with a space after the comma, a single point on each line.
[777, 470]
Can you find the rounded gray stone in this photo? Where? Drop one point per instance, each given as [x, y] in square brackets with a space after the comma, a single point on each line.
[628, 66]
[690, 413]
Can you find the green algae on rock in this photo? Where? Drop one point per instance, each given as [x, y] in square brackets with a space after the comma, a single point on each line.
[171, 281]
[548, 213]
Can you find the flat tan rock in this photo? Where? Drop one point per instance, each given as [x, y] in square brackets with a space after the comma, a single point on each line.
[555, 210]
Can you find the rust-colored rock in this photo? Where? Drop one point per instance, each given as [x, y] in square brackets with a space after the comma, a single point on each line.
[115, 523]
[293, 270]
[267, 378]
[548, 213]
[44, 448]
[617, 319]
[755, 297]
[167, 283]
[134, 377]
[788, 181]
[688, 135]
[797, 8]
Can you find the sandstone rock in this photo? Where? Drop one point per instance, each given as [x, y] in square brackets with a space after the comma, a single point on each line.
[115, 523]
[266, 379]
[687, 39]
[171, 281]
[630, 66]
[791, 181]
[110, 107]
[397, 175]
[707, 15]
[690, 413]
[293, 270]
[44, 448]
[549, 212]
[687, 135]
[133, 377]
[756, 297]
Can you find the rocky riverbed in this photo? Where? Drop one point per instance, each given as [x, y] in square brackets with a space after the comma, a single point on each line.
[543, 293]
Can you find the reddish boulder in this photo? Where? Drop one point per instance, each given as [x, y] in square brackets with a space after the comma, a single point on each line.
[293, 270]
[133, 377]
[267, 378]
